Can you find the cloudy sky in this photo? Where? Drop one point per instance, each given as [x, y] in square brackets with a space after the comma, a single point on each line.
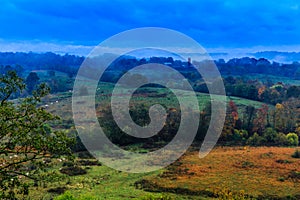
[75, 26]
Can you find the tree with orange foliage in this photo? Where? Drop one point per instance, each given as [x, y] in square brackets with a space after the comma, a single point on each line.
[234, 112]
[261, 90]
[231, 119]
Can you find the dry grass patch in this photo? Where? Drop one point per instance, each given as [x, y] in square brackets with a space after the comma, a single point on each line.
[257, 172]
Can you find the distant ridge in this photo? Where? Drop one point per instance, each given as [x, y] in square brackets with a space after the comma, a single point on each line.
[278, 56]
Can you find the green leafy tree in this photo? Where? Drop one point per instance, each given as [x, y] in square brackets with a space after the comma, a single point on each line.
[28, 147]
[31, 81]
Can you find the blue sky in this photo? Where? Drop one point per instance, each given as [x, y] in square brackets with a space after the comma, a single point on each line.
[75, 26]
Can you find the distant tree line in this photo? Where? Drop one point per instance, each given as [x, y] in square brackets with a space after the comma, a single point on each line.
[70, 64]
[246, 65]
[234, 72]
[42, 61]
[264, 91]
[32, 80]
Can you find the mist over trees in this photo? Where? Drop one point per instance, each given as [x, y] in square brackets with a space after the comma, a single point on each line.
[70, 64]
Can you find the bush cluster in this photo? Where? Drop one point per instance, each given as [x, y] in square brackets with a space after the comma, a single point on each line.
[271, 138]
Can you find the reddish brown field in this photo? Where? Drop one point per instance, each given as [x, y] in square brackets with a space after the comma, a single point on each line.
[257, 172]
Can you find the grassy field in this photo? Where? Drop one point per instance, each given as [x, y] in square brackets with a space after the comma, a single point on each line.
[151, 95]
[226, 173]
[102, 182]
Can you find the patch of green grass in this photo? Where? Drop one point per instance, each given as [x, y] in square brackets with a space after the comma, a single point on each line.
[102, 182]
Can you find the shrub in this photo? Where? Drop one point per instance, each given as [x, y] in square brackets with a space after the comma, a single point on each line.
[89, 162]
[73, 171]
[294, 175]
[270, 135]
[57, 190]
[267, 155]
[281, 140]
[68, 164]
[280, 161]
[255, 140]
[281, 179]
[296, 154]
[247, 164]
[85, 155]
[292, 139]
[240, 135]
